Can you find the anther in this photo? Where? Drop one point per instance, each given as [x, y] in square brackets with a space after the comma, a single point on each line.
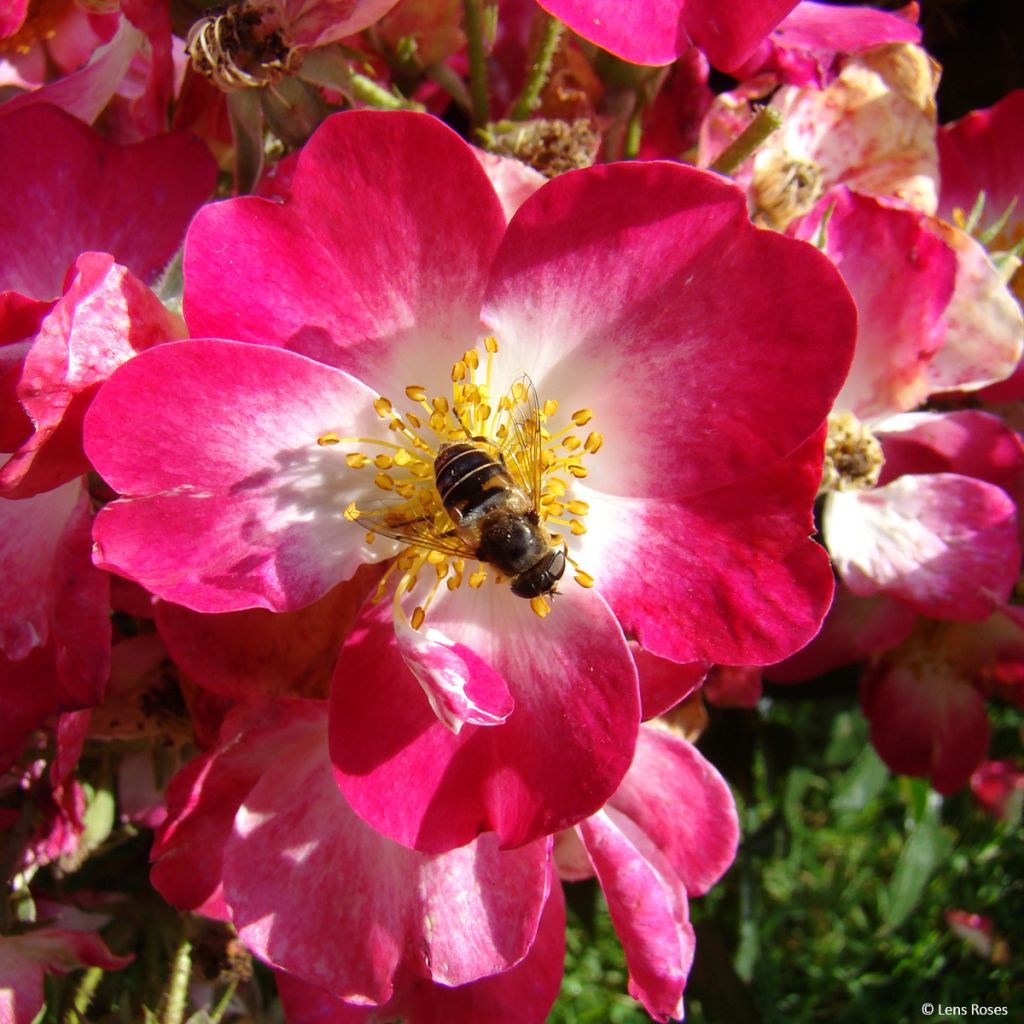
[540, 607]
[578, 508]
[577, 527]
[328, 439]
[382, 407]
[593, 442]
[356, 460]
[491, 344]
[584, 579]
[384, 482]
[417, 618]
[476, 579]
[582, 416]
[383, 461]
[416, 393]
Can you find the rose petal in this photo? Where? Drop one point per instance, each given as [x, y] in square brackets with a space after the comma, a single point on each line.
[378, 284]
[71, 192]
[245, 486]
[944, 544]
[556, 758]
[615, 312]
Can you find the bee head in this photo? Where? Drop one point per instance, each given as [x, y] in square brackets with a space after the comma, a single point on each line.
[541, 578]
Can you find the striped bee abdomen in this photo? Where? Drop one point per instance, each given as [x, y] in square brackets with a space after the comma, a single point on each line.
[469, 481]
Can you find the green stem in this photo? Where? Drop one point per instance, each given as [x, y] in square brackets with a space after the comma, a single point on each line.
[177, 986]
[366, 90]
[222, 1004]
[473, 17]
[634, 131]
[539, 70]
[83, 996]
[768, 120]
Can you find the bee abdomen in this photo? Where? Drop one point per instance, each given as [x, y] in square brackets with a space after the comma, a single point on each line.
[468, 480]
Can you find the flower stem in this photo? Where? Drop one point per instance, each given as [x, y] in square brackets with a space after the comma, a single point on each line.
[83, 996]
[768, 120]
[367, 91]
[222, 1004]
[177, 987]
[473, 16]
[539, 70]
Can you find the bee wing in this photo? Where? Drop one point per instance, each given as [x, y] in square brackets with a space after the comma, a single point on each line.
[386, 518]
[522, 441]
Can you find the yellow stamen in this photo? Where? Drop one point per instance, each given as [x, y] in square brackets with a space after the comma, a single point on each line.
[540, 607]
[477, 579]
[416, 392]
[328, 439]
[357, 460]
[584, 579]
[582, 416]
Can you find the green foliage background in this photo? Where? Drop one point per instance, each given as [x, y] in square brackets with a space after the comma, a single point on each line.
[834, 909]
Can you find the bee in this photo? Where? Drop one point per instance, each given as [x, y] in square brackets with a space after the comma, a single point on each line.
[489, 516]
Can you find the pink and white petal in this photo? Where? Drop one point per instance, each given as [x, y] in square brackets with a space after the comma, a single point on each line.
[204, 797]
[513, 180]
[376, 281]
[258, 652]
[84, 92]
[523, 994]
[664, 683]
[50, 594]
[26, 958]
[683, 805]
[648, 907]
[927, 719]
[556, 758]
[901, 277]
[967, 441]
[321, 22]
[460, 916]
[245, 486]
[70, 191]
[460, 686]
[854, 629]
[105, 317]
[806, 47]
[736, 566]
[945, 544]
[984, 323]
[974, 158]
[241, 654]
[872, 129]
[625, 313]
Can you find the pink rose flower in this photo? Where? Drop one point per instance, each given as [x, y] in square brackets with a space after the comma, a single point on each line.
[681, 398]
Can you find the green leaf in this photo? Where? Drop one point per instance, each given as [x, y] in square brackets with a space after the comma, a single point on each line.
[861, 783]
[925, 849]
